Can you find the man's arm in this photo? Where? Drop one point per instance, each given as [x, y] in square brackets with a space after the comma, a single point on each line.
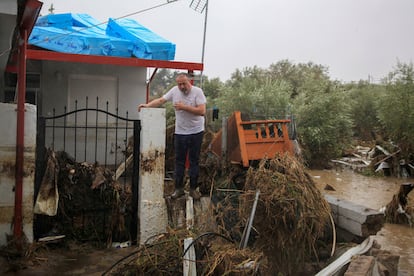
[196, 110]
[154, 103]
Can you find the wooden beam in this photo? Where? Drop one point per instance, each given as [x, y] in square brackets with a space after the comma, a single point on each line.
[110, 60]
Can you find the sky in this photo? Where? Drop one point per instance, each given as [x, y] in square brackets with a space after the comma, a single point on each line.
[353, 39]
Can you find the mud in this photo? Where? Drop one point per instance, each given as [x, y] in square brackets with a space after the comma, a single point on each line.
[69, 260]
[374, 192]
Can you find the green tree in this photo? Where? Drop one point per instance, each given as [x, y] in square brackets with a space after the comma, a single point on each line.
[212, 87]
[396, 107]
[297, 75]
[323, 121]
[254, 95]
[161, 82]
[363, 98]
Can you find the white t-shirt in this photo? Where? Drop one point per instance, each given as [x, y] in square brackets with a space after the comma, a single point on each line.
[187, 122]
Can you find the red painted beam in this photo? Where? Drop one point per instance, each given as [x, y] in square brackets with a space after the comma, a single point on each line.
[21, 98]
[121, 61]
[149, 84]
[26, 21]
[30, 14]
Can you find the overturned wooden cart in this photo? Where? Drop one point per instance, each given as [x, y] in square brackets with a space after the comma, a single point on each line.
[241, 142]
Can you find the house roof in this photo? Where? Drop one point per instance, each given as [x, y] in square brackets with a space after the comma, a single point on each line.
[80, 33]
[28, 12]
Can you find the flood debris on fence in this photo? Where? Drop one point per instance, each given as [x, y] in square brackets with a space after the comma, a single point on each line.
[90, 204]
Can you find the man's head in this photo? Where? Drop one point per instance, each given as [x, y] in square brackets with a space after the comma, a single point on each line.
[183, 83]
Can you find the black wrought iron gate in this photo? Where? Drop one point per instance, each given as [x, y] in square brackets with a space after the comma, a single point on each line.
[92, 136]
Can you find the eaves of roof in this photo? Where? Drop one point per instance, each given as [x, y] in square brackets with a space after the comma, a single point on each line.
[36, 54]
[29, 11]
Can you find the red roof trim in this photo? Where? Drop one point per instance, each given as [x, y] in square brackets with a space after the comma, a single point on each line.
[135, 62]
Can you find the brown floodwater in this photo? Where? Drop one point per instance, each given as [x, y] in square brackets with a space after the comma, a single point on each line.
[374, 192]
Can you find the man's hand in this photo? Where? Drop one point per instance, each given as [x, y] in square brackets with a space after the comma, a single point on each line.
[141, 106]
[154, 103]
[179, 106]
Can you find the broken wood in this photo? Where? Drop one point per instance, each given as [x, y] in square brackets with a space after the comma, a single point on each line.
[387, 157]
[352, 165]
[122, 167]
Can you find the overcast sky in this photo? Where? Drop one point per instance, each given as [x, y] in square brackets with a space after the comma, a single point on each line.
[354, 39]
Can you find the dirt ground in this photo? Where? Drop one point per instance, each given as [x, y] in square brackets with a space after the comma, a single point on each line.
[66, 259]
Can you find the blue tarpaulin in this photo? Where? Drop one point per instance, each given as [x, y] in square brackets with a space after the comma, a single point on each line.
[146, 43]
[82, 34]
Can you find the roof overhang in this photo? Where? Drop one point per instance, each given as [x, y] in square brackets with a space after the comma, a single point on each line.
[29, 11]
[35, 54]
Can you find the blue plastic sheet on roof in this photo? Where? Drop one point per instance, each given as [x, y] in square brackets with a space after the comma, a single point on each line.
[146, 43]
[82, 34]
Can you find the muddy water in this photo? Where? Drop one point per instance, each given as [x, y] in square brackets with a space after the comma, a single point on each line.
[374, 192]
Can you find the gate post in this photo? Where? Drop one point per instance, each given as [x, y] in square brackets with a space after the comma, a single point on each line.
[152, 210]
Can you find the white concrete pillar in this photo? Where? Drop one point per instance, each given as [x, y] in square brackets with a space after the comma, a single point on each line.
[152, 209]
[8, 123]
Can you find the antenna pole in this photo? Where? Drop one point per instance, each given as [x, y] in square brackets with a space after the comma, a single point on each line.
[204, 43]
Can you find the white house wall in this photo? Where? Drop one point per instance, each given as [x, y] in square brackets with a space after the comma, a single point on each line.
[8, 11]
[64, 83]
[8, 119]
[8, 7]
[58, 77]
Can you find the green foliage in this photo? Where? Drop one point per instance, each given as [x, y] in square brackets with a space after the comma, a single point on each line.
[255, 95]
[363, 99]
[212, 87]
[396, 107]
[298, 75]
[162, 81]
[323, 122]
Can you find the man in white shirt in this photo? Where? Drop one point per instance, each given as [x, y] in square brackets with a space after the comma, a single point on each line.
[190, 107]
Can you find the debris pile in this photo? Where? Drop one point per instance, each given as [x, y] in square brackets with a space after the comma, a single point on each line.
[291, 218]
[92, 204]
[291, 213]
[386, 159]
[164, 255]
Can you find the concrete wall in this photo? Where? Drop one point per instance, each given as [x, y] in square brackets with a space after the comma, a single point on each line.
[8, 119]
[152, 209]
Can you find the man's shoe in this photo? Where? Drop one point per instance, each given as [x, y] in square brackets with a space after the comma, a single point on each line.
[195, 194]
[177, 193]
